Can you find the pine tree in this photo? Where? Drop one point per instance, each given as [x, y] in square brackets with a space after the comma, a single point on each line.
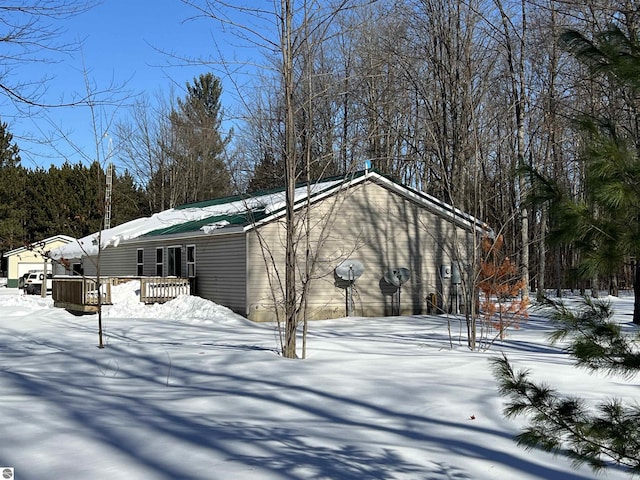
[606, 434]
[40, 204]
[198, 170]
[604, 226]
[12, 193]
[129, 200]
[603, 221]
[9, 151]
[269, 173]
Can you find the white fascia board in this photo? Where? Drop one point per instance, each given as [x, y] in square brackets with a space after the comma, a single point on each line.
[303, 201]
[428, 201]
[66, 238]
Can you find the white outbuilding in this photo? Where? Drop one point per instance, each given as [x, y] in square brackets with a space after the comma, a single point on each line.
[32, 257]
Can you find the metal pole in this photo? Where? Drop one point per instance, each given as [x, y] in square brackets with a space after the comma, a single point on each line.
[349, 292]
[43, 287]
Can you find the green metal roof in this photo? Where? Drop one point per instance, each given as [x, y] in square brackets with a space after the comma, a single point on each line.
[195, 225]
[214, 201]
[266, 192]
[243, 218]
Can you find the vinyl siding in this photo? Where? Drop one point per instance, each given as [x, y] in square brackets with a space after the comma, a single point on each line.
[220, 265]
[117, 261]
[221, 270]
[381, 229]
[122, 261]
[367, 222]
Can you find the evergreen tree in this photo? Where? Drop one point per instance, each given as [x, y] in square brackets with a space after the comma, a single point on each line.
[67, 200]
[603, 221]
[198, 170]
[71, 179]
[129, 201]
[613, 156]
[269, 173]
[606, 434]
[9, 151]
[12, 193]
[40, 206]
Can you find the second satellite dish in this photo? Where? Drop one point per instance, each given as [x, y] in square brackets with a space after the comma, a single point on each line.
[350, 270]
[397, 276]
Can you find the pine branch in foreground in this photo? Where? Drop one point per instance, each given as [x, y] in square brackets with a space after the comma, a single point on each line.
[596, 342]
[564, 425]
[602, 435]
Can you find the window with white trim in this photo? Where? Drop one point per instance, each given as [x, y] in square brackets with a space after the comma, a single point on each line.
[191, 261]
[159, 261]
[140, 262]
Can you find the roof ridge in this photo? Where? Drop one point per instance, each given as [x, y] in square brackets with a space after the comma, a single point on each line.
[268, 191]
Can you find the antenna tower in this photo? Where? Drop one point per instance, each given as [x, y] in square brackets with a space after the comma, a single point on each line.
[109, 188]
[107, 197]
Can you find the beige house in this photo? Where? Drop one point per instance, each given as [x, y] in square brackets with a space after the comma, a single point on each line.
[24, 259]
[233, 249]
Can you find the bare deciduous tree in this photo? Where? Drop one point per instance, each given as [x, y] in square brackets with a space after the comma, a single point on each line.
[31, 34]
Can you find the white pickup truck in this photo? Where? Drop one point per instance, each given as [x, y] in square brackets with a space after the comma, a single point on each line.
[33, 283]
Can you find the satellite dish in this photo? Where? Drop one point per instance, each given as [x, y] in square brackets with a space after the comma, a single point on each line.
[397, 276]
[350, 270]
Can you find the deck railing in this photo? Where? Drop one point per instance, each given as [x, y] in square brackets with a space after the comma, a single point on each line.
[81, 293]
[162, 289]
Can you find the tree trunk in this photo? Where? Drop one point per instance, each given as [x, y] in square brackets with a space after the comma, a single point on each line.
[636, 293]
[520, 122]
[518, 92]
[542, 255]
[290, 301]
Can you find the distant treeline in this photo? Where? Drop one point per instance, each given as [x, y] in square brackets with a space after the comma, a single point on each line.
[67, 200]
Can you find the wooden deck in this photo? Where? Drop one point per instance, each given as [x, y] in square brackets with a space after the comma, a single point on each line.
[80, 294]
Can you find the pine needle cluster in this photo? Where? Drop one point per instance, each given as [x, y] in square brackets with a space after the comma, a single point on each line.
[601, 435]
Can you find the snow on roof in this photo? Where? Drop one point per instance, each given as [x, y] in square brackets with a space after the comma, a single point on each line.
[40, 245]
[209, 216]
[270, 201]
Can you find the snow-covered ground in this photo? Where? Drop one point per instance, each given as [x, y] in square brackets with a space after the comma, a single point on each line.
[189, 390]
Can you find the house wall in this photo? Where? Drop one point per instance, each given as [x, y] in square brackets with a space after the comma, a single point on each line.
[67, 268]
[219, 271]
[367, 222]
[381, 229]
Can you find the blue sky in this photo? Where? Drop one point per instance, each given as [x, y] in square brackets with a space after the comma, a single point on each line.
[121, 40]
